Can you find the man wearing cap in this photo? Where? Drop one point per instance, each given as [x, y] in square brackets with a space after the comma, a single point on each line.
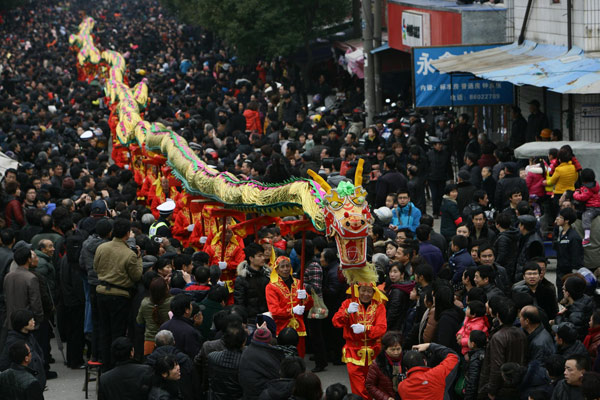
[363, 319]
[161, 227]
[530, 243]
[287, 301]
[567, 344]
[536, 121]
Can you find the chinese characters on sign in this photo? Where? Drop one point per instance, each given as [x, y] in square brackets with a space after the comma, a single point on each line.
[435, 89]
[415, 29]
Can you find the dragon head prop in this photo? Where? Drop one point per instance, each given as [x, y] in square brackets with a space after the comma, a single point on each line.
[347, 218]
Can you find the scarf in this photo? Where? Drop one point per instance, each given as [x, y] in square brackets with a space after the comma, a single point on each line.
[396, 365]
[592, 332]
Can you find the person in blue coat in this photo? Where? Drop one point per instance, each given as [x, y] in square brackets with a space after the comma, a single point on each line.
[406, 215]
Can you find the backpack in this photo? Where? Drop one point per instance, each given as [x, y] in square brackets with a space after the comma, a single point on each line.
[74, 243]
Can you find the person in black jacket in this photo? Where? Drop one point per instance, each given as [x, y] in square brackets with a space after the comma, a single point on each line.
[439, 172]
[128, 380]
[23, 324]
[397, 289]
[569, 250]
[449, 318]
[282, 388]
[224, 365]
[261, 363]
[19, 382]
[187, 338]
[536, 121]
[252, 279]
[506, 244]
[530, 243]
[543, 296]
[391, 181]
[519, 128]
[334, 293]
[73, 301]
[474, 359]
[189, 384]
[505, 185]
[540, 344]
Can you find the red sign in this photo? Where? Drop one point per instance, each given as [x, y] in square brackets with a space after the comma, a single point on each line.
[445, 27]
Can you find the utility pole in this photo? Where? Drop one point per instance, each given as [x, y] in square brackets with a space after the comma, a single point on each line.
[377, 57]
[367, 36]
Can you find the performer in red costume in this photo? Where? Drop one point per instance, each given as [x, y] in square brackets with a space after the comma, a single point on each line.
[287, 301]
[234, 254]
[183, 226]
[364, 323]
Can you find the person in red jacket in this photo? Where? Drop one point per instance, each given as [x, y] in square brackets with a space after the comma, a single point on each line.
[14, 210]
[364, 323]
[287, 301]
[588, 193]
[252, 116]
[425, 383]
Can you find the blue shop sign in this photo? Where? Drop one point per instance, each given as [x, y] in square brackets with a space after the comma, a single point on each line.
[435, 89]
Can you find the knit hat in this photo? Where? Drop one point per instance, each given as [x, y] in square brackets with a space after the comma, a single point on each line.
[262, 335]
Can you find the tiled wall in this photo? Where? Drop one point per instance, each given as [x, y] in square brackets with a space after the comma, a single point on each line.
[548, 22]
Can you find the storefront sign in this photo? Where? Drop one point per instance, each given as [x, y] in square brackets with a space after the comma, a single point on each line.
[435, 89]
[415, 29]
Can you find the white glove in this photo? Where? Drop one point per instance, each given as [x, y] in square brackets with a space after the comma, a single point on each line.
[352, 308]
[357, 328]
[220, 283]
[301, 294]
[203, 239]
[222, 265]
[298, 310]
[190, 227]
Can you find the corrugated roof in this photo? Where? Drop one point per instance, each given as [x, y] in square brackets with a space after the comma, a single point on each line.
[543, 65]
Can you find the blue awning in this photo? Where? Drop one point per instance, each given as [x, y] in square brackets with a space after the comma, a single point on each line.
[384, 47]
[554, 67]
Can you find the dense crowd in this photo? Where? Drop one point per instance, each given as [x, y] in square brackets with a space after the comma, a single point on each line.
[97, 259]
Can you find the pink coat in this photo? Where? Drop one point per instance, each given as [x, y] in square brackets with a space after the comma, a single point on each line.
[535, 181]
[471, 324]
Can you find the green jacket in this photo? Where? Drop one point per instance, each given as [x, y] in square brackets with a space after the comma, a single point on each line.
[46, 268]
[146, 319]
[212, 307]
[118, 267]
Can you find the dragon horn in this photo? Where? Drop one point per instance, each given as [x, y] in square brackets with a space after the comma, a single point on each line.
[358, 175]
[320, 180]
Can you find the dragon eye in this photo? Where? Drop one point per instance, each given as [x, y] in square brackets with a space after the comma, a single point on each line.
[335, 204]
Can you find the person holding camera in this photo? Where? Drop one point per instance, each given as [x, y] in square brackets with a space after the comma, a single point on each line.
[118, 268]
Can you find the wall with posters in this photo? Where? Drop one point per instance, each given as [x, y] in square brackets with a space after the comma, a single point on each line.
[435, 89]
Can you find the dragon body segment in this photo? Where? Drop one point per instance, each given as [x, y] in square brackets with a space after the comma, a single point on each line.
[342, 212]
